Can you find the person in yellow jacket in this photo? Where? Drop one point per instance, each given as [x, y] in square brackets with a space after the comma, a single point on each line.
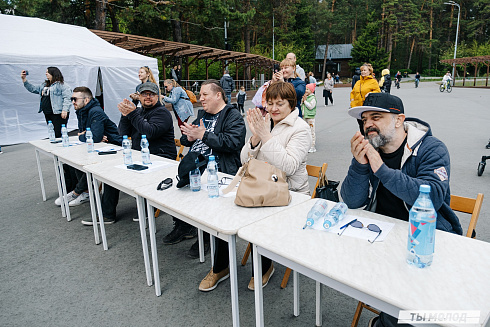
[365, 85]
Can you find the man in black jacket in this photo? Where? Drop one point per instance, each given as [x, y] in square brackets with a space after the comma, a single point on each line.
[152, 120]
[219, 130]
[227, 84]
[89, 115]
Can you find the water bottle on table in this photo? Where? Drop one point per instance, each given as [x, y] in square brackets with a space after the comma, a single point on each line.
[213, 187]
[145, 150]
[318, 210]
[51, 135]
[421, 230]
[195, 178]
[89, 140]
[335, 215]
[128, 159]
[64, 136]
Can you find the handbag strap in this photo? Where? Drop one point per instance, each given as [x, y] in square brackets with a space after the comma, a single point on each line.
[236, 179]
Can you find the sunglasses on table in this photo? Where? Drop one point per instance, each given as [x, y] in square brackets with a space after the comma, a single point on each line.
[357, 224]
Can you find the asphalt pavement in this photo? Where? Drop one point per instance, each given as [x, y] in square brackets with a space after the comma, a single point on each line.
[54, 275]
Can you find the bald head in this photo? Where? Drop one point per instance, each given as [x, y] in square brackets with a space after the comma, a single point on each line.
[291, 56]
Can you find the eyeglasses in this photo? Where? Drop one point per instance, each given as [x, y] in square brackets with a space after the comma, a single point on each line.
[75, 99]
[357, 224]
[147, 95]
[225, 181]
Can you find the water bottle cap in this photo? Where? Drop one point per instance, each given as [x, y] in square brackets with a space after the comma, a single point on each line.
[125, 136]
[88, 129]
[63, 125]
[211, 158]
[424, 188]
[50, 122]
[143, 136]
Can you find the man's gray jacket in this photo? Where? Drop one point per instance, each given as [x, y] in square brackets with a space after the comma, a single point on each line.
[425, 160]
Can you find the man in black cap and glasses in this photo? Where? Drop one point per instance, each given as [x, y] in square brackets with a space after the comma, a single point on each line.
[396, 156]
[152, 120]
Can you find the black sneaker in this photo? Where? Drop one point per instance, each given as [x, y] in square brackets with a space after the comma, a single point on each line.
[194, 250]
[487, 146]
[179, 233]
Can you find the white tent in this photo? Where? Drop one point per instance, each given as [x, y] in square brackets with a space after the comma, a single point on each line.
[34, 44]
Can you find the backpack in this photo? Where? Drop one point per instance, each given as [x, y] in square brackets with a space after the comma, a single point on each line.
[191, 95]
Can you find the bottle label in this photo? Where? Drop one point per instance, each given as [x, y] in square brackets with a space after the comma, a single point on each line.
[421, 236]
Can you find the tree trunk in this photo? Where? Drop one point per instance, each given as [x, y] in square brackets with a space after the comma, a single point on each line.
[430, 34]
[177, 29]
[100, 14]
[247, 50]
[115, 22]
[410, 55]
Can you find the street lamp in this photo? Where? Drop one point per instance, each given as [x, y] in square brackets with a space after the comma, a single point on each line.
[452, 3]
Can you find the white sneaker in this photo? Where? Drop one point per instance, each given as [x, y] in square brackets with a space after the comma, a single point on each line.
[82, 198]
[312, 149]
[69, 197]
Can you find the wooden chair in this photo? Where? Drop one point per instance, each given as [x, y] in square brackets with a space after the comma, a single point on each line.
[179, 157]
[458, 203]
[313, 171]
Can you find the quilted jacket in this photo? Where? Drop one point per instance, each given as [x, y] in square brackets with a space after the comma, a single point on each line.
[286, 150]
[425, 161]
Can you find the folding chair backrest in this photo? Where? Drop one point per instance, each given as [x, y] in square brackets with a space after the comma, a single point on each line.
[314, 171]
[468, 205]
[181, 149]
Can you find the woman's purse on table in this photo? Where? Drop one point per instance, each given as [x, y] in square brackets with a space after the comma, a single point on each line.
[327, 189]
[261, 185]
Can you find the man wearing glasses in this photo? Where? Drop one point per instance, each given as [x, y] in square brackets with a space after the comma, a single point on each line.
[89, 115]
[396, 155]
[152, 120]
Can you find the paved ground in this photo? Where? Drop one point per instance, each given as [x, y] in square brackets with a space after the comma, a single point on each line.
[54, 275]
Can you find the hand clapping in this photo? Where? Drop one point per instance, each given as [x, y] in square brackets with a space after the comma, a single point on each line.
[126, 107]
[259, 126]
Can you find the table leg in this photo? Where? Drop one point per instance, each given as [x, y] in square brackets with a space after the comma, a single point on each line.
[39, 170]
[92, 206]
[63, 190]
[259, 292]
[212, 245]
[201, 245]
[58, 184]
[140, 203]
[99, 211]
[153, 243]
[233, 280]
[296, 293]
[318, 303]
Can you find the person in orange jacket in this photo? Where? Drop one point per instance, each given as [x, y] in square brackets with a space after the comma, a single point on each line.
[364, 86]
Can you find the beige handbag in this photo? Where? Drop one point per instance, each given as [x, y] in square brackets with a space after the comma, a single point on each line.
[261, 185]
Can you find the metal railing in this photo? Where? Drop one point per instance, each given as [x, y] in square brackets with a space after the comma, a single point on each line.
[194, 85]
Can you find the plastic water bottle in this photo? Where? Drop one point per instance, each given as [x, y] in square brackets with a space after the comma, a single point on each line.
[51, 131]
[128, 159]
[335, 215]
[89, 140]
[64, 136]
[195, 178]
[318, 210]
[213, 187]
[421, 230]
[145, 151]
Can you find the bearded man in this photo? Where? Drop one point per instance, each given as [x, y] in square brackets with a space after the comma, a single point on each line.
[396, 156]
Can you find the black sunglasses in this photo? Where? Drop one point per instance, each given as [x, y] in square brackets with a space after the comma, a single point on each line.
[165, 184]
[357, 224]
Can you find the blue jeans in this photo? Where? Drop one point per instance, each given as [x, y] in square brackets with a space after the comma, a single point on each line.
[228, 96]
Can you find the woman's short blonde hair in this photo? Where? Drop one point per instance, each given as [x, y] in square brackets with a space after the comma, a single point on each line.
[289, 62]
[369, 66]
[172, 82]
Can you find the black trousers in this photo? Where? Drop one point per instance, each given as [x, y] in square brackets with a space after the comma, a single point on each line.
[328, 95]
[75, 180]
[57, 122]
[222, 259]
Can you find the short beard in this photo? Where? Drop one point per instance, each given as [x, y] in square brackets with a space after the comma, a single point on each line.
[380, 140]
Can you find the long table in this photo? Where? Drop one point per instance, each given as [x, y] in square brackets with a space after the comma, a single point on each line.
[127, 180]
[220, 217]
[377, 273]
[78, 157]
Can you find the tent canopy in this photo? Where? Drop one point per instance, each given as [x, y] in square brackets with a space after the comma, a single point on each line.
[34, 44]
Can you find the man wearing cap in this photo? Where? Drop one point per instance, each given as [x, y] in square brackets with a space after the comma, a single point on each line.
[152, 120]
[396, 156]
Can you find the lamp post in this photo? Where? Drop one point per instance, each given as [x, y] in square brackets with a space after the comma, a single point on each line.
[452, 3]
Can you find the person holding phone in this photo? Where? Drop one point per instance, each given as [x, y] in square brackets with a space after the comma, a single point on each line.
[288, 74]
[54, 97]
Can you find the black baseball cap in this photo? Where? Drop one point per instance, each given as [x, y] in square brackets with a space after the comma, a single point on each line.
[187, 164]
[149, 86]
[383, 102]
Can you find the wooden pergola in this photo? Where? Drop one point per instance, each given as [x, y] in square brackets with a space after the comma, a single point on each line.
[471, 61]
[190, 52]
